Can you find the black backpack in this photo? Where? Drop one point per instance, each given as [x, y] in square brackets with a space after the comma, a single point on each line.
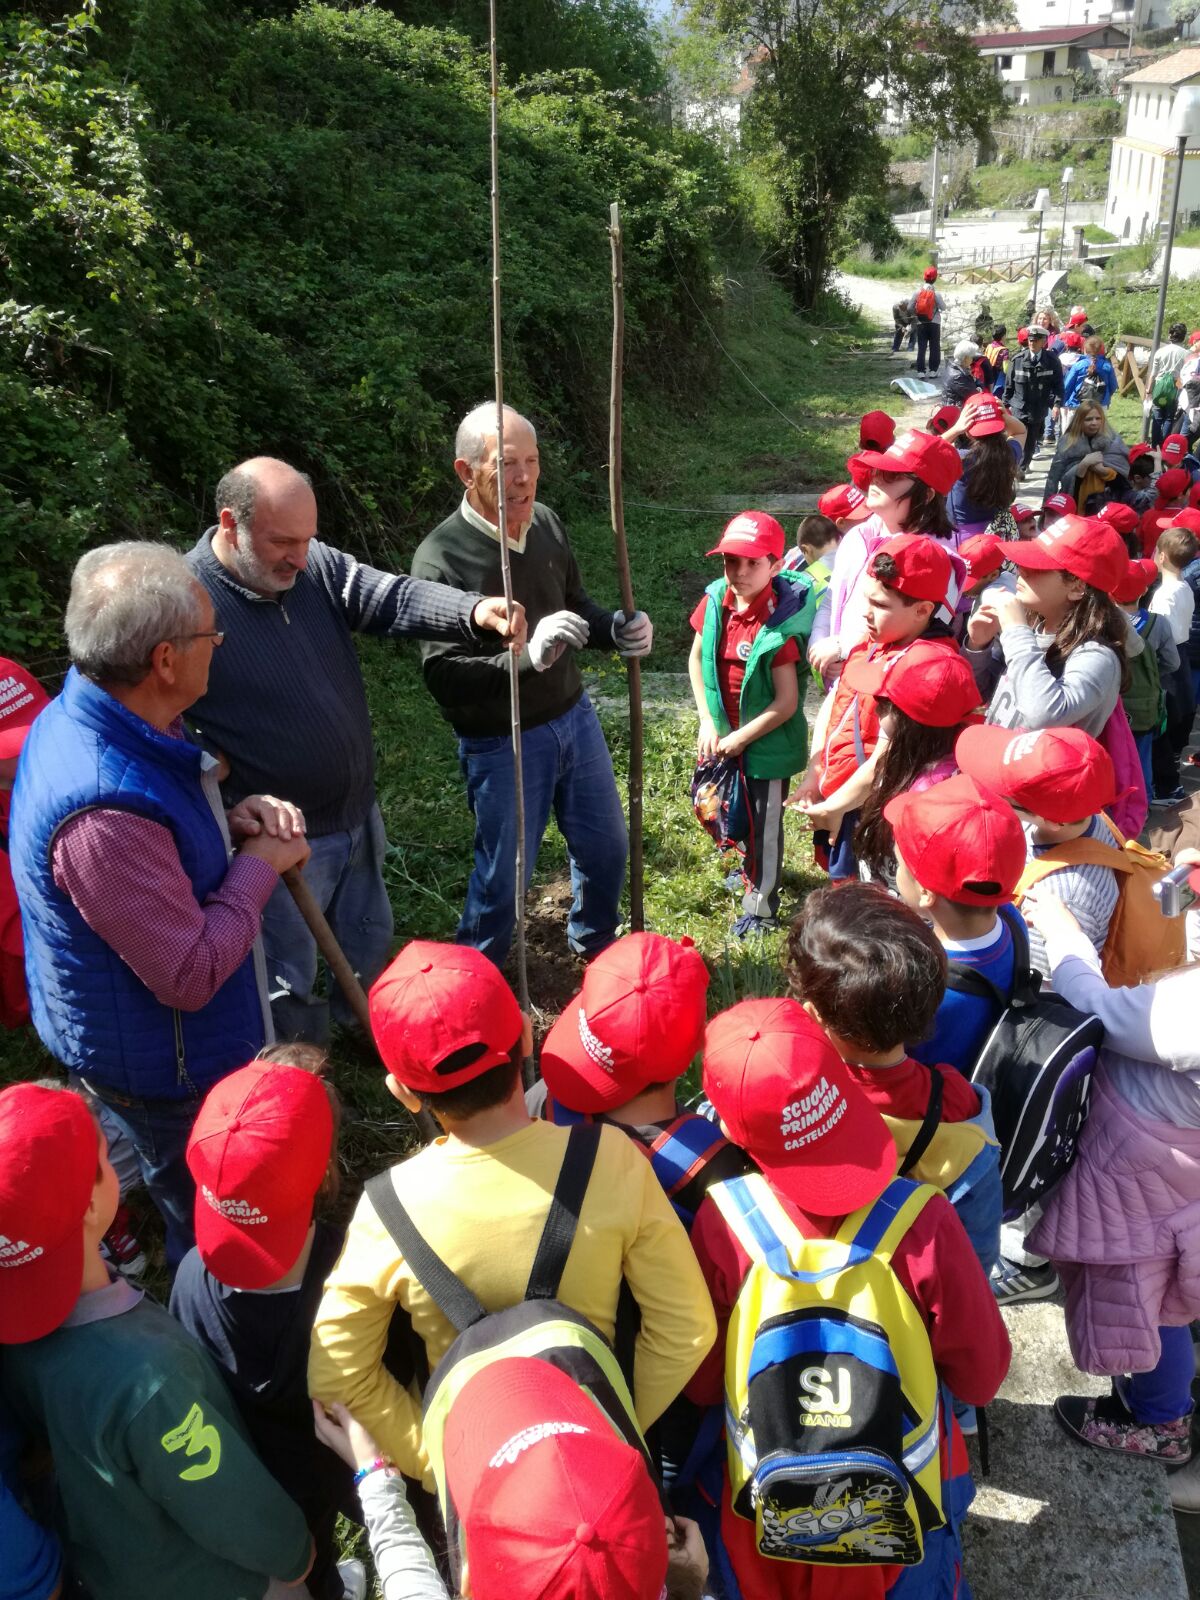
[539, 1325]
[1037, 1065]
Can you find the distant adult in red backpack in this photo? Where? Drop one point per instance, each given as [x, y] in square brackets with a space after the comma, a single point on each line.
[928, 306]
[21, 698]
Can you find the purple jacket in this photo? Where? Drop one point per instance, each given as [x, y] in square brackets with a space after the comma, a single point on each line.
[1123, 1229]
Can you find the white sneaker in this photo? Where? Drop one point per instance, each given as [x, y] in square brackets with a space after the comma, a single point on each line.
[354, 1579]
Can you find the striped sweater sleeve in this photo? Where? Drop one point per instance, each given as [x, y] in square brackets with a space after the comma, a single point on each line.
[391, 602]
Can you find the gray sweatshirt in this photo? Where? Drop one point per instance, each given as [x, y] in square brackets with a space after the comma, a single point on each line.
[402, 1559]
[1023, 692]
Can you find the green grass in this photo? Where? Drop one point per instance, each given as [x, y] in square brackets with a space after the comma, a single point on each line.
[1094, 234]
[1014, 183]
[901, 266]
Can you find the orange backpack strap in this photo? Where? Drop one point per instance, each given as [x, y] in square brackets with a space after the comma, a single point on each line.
[1076, 853]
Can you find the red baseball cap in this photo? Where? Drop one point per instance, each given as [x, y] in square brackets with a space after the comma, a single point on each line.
[1188, 518]
[1062, 505]
[1137, 580]
[435, 1001]
[1022, 335]
[1137, 451]
[1077, 318]
[21, 698]
[1021, 513]
[1194, 336]
[943, 418]
[639, 1019]
[751, 533]
[1087, 547]
[782, 1092]
[930, 274]
[984, 554]
[1173, 449]
[551, 1499]
[876, 430]
[1073, 340]
[959, 840]
[49, 1152]
[1122, 517]
[1061, 774]
[1172, 483]
[929, 681]
[986, 415]
[926, 456]
[924, 570]
[845, 502]
[258, 1151]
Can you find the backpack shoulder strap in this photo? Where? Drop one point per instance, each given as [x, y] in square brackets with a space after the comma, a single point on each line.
[683, 1149]
[562, 1219]
[929, 1123]
[877, 1228]
[445, 1288]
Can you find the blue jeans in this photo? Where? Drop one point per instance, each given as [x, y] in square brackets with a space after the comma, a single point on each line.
[1164, 1394]
[1145, 749]
[567, 770]
[158, 1131]
[345, 874]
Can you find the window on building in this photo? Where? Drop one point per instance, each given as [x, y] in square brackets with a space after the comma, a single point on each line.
[1047, 63]
[1005, 63]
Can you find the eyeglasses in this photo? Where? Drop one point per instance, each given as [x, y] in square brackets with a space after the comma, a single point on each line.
[217, 635]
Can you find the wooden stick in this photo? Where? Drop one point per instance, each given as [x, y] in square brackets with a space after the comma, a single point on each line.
[344, 973]
[514, 694]
[637, 918]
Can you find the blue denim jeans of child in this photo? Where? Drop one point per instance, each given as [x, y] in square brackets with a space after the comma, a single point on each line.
[345, 874]
[158, 1131]
[567, 771]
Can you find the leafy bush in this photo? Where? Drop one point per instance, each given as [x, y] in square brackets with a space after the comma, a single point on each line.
[245, 229]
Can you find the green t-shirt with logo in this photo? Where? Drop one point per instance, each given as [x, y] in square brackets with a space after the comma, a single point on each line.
[161, 1493]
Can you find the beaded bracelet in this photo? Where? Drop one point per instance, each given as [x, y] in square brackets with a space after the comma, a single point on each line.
[380, 1464]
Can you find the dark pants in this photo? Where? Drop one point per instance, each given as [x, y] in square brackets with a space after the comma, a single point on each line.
[1170, 745]
[901, 329]
[158, 1131]
[929, 346]
[1033, 433]
[763, 865]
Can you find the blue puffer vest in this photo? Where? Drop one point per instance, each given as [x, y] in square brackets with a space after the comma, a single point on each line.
[90, 1010]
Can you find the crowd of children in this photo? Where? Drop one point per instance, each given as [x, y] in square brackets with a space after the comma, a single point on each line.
[621, 1334]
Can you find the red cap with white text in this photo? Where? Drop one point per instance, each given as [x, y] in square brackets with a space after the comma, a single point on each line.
[258, 1150]
[845, 502]
[1123, 518]
[751, 534]
[1173, 449]
[21, 698]
[1086, 547]
[784, 1095]
[1061, 774]
[924, 456]
[49, 1154]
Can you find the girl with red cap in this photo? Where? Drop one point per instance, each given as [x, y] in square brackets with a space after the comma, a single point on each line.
[990, 442]
[1091, 460]
[1053, 654]
[907, 491]
[1170, 497]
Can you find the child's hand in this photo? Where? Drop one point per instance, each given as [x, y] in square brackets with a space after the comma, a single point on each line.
[336, 1428]
[806, 793]
[1008, 611]
[707, 740]
[983, 626]
[825, 654]
[1048, 914]
[732, 744]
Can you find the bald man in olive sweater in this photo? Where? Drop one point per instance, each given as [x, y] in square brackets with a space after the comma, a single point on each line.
[566, 765]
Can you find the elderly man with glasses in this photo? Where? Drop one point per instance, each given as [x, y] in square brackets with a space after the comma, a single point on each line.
[145, 966]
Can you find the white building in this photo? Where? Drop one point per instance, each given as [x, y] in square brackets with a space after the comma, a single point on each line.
[1035, 68]
[1142, 175]
[1039, 14]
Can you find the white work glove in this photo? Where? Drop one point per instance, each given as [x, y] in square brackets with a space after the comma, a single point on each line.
[635, 637]
[554, 634]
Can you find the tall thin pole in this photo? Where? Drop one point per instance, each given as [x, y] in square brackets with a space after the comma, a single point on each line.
[1037, 260]
[1166, 271]
[514, 693]
[1062, 242]
[933, 197]
[616, 500]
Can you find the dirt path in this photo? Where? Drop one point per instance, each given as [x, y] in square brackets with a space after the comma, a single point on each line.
[876, 296]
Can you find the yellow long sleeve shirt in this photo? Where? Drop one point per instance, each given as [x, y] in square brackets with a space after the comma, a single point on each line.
[483, 1210]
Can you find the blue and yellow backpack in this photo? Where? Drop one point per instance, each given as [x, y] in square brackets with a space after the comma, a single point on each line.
[831, 1396]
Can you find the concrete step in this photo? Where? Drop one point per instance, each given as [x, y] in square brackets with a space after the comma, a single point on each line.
[1056, 1519]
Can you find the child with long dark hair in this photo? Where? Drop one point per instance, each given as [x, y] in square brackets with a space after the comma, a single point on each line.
[990, 441]
[925, 698]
